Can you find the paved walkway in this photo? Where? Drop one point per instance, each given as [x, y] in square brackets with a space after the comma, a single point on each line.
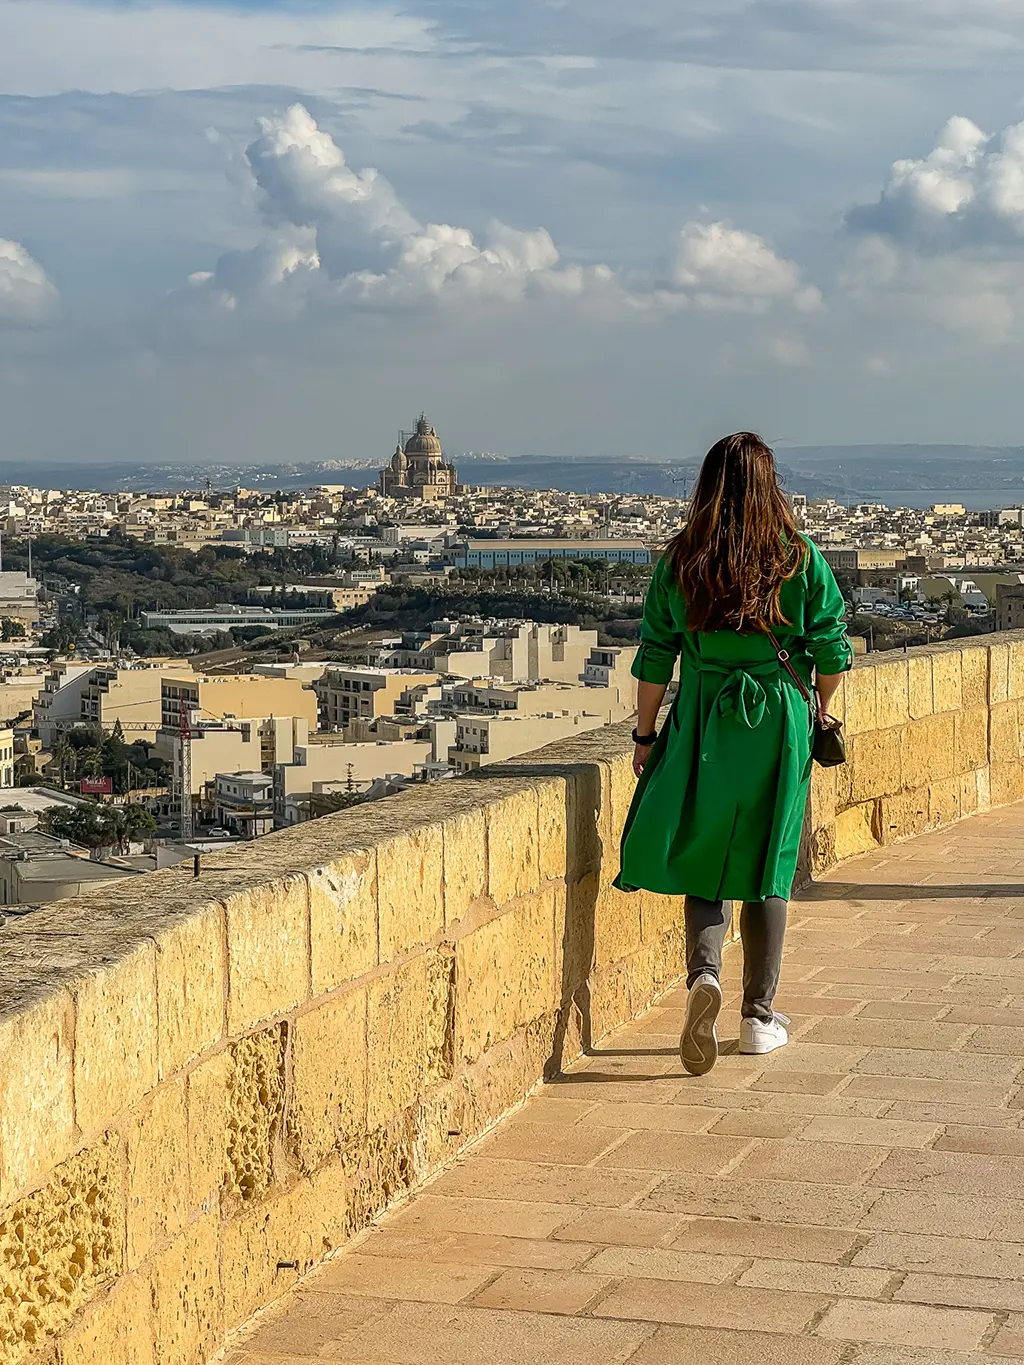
[855, 1199]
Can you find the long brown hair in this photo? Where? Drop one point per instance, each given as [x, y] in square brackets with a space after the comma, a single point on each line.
[740, 542]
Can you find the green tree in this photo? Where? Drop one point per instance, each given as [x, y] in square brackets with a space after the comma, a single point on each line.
[12, 629]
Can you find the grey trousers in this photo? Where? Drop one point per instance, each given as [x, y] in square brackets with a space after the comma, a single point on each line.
[762, 930]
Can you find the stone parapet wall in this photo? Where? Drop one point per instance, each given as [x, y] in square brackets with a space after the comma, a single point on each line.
[209, 1085]
[933, 735]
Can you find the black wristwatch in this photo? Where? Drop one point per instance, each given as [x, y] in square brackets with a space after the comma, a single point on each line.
[644, 739]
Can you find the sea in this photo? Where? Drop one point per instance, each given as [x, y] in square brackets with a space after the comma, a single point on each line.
[974, 499]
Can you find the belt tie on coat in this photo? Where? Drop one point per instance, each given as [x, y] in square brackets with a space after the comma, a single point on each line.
[741, 696]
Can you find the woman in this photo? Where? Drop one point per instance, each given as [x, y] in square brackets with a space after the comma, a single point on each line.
[718, 810]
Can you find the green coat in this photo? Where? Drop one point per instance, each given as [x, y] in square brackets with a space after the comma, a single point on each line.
[718, 812]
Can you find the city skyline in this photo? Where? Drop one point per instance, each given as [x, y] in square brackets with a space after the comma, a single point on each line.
[244, 230]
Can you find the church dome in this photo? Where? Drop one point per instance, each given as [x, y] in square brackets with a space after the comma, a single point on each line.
[425, 441]
[398, 460]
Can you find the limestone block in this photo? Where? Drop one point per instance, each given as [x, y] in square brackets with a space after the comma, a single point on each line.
[968, 793]
[343, 919]
[823, 848]
[1004, 732]
[465, 862]
[947, 680]
[622, 785]
[115, 1037]
[59, 1247]
[251, 1249]
[1015, 681]
[575, 930]
[984, 776]
[943, 802]
[854, 831]
[861, 708]
[410, 890]
[191, 984]
[328, 1105]
[207, 1102]
[381, 1166]
[844, 775]
[659, 915]
[553, 812]
[974, 669]
[255, 1111]
[505, 974]
[158, 1188]
[442, 1122]
[970, 739]
[410, 1033]
[998, 673]
[37, 1106]
[588, 820]
[892, 688]
[268, 950]
[927, 750]
[116, 1330]
[513, 852]
[922, 695]
[617, 931]
[610, 1002]
[187, 1302]
[1006, 783]
[824, 786]
[876, 766]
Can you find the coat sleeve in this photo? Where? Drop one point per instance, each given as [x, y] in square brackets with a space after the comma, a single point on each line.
[660, 636]
[825, 630]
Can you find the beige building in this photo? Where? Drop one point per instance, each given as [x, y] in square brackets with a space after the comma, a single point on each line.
[132, 696]
[324, 768]
[19, 598]
[19, 692]
[480, 740]
[242, 696]
[1010, 606]
[351, 693]
[846, 559]
[611, 704]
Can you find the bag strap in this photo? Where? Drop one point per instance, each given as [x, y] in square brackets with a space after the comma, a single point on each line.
[784, 660]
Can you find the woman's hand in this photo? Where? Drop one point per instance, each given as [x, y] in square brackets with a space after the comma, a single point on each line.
[641, 753]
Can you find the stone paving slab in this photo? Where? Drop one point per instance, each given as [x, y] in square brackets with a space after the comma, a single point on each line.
[856, 1198]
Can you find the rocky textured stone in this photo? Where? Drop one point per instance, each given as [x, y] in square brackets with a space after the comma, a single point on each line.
[255, 1111]
[59, 1247]
[37, 1108]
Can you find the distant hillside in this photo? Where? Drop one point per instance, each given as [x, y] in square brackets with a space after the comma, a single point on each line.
[849, 471]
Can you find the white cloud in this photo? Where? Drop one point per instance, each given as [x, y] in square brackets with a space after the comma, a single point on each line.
[27, 296]
[727, 268]
[967, 191]
[335, 235]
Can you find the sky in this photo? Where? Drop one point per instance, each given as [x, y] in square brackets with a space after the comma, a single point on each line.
[277, 231]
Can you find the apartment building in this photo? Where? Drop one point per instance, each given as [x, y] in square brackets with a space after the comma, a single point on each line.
[244, 803]
[244, 696]
[321, 769]
[480, 740]
[358, 692]
[19, 598]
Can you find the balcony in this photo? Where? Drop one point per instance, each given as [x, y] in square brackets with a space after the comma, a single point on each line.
[209, 1086]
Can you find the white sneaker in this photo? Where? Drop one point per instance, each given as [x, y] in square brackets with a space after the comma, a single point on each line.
[698, 1045]
[758, 1036]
